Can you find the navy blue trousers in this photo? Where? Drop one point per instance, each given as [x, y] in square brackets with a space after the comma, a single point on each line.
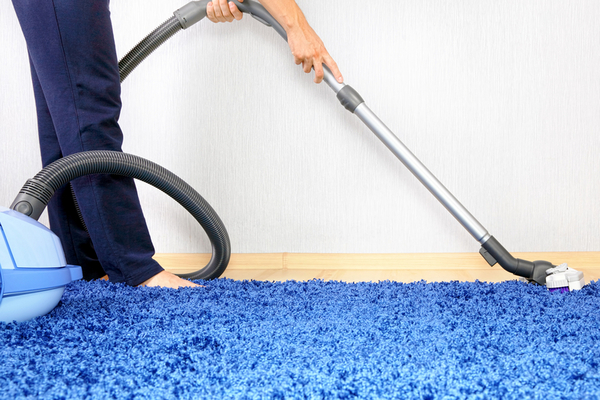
[75, 78]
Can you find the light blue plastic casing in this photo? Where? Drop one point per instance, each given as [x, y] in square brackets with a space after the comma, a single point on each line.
[33, 269]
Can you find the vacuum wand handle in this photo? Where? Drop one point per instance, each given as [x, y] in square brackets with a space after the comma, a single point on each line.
[259, 13]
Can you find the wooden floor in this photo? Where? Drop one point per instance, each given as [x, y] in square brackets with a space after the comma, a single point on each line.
[375, 267]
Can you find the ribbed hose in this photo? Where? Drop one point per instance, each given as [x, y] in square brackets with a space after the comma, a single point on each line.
[62, 171]
[150, 43]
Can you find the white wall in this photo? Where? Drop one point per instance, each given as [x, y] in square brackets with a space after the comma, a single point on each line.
[501, 100]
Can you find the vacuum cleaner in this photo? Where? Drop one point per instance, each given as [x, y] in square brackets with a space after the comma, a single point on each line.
[561, 278]
[33, 269]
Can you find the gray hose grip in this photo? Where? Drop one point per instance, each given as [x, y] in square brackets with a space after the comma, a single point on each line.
[191, 13]
[195, 11]
[258, 12]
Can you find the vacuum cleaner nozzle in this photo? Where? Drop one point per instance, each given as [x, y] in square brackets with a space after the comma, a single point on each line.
[564, 279]
[541, 272]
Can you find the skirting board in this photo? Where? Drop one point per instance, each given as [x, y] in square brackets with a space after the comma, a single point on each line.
[374, 267]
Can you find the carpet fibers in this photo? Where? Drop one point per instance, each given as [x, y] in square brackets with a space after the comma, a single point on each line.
[315, 339]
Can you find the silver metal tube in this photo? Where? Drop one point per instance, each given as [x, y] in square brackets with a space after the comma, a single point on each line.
[422, 173]
[331, 81]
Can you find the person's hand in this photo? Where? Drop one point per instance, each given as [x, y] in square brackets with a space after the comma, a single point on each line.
[306, 46]
[308, 50]
[223, 11]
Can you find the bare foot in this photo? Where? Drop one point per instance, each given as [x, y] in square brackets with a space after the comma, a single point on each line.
[169, 280]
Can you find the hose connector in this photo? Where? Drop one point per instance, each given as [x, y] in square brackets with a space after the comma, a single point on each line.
[349, 98]
[191, 13]
[32, 198]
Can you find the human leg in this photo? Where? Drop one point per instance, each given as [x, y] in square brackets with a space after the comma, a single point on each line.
[72, 53]
[64, 219]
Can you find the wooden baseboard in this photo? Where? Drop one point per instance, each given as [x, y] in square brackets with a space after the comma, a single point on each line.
[462, 261]
[373, 267]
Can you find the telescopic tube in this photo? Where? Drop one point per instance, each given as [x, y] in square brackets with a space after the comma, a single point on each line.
[422, 173]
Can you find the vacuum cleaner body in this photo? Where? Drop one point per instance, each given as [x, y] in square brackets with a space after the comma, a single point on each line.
[33, 269]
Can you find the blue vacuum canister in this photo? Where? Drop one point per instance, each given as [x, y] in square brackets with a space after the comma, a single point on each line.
[33, 269]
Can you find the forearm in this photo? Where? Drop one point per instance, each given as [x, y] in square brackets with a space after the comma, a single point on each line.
[286, 12]
[306, 46]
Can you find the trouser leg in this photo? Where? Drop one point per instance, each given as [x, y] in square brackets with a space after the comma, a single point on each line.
[73, 56]
[64, 219]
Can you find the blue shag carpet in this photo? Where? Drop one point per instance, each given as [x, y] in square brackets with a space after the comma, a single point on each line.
[316, 340]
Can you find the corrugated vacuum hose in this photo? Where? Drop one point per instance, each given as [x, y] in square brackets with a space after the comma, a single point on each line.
[36, 193]
[145, 47]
